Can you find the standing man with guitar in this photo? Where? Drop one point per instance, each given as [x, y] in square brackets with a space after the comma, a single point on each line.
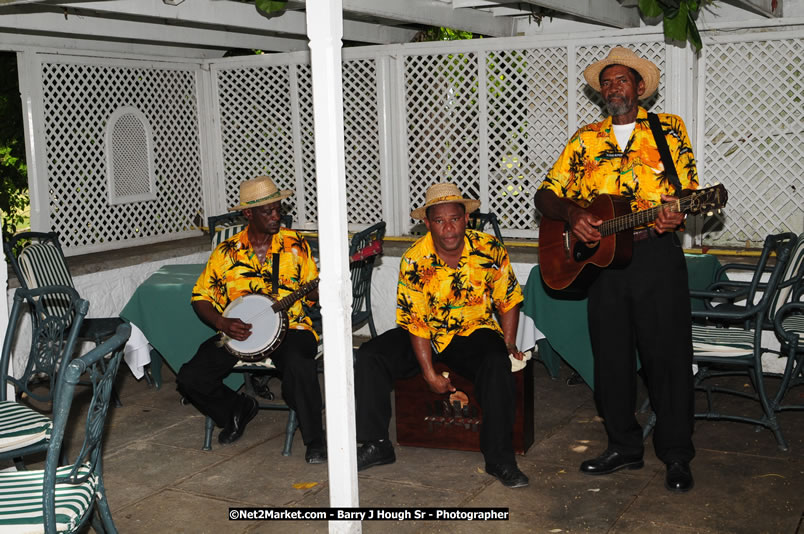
[270, 260]
[643, 306]
[451, 281]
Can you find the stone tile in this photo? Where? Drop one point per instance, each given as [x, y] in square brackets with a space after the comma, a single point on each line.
[733, 493]
[189, 433]
[144, 467]
[568, 500]
[630, 526]
[259, 475]
[178, 512]
[460, 471]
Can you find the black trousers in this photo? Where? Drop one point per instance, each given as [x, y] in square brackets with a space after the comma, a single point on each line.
[480, 357]
[201, 381]
[645, 308]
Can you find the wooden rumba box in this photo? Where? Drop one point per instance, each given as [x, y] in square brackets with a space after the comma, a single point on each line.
[426, 419]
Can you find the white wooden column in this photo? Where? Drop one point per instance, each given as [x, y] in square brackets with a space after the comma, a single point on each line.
[325, 30]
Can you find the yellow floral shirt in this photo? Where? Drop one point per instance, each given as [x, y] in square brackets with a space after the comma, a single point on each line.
[233, 270]
[592, 163]
[437, 302]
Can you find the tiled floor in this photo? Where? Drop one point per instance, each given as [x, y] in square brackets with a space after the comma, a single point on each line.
[159, 479]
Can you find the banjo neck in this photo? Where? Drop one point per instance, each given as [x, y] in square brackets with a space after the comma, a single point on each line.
[287, 301]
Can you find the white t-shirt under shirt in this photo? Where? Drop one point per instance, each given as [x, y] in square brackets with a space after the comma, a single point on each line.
[623, 133]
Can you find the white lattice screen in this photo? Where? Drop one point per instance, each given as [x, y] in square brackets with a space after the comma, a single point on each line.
[79, 97]
[490, 115]
[753, 135]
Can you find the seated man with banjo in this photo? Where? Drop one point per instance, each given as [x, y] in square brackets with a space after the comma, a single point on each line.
[249, 292]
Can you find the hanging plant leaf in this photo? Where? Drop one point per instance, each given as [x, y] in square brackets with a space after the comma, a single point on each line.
[692, 33]
[271, 7]
[650, 8]
[675, 27]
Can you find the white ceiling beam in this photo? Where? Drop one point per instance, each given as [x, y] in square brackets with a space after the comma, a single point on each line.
[237, 15]
[509, 11]
[458, 4]
[763, 7]
[18, 41]
[608, 12]
[432, 13]
[90, 27]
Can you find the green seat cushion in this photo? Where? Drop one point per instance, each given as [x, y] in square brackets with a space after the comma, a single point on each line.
[21, 426]
[21, 503]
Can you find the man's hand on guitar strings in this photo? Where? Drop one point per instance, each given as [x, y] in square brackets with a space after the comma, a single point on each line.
[584, 226]
[670, 216]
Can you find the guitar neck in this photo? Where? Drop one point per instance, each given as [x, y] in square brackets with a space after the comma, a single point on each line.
[640, 218]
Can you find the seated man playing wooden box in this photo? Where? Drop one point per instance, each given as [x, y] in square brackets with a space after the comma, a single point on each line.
[450, 282]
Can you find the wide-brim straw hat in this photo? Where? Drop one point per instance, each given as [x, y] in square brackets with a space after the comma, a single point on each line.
[258, 192]
[623, 56]
[444, 193]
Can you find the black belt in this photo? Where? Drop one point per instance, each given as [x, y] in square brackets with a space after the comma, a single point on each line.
[645, 233]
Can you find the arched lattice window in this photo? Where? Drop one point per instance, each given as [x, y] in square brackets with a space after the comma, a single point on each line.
[129, 157]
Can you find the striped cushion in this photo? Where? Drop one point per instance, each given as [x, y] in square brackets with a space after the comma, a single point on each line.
[794, 324]
[42, 264]
[722, 342]
[21, 506]
[21, 426]
[222, 234]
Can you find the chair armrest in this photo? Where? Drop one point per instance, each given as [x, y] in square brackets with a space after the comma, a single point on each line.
[791, 308]
[721, 272]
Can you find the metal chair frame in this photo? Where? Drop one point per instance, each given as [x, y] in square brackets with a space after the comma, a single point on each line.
[53, 342]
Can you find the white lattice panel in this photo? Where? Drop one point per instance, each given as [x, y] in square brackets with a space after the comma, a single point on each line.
[527, 125]
[78, 100]
[256, 128]
[442, 115]
[754, 137]
[362, 142]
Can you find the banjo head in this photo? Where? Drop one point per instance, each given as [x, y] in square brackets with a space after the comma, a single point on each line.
[268, 327]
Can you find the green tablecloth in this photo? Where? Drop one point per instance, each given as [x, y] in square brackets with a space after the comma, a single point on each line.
[161, 308]
[561, 316]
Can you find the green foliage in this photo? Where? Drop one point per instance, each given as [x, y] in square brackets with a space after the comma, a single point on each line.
[678, 17]
[13, 171]
[444, 34]
[271, 7]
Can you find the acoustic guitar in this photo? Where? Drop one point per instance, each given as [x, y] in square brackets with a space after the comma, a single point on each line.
[565, 260]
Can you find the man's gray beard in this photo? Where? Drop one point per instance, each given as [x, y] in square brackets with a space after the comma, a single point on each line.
[620, 107]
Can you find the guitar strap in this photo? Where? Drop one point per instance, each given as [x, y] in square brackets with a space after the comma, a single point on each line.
[664, 151]
[275, 274]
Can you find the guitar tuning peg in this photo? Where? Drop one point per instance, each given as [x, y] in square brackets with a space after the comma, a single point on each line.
[709, 214]
[706, 185]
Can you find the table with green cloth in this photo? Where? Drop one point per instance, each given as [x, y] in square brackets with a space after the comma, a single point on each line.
[560, 317]
[161, 308]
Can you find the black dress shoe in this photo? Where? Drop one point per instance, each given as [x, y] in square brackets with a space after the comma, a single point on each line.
[609, 462]
[237, 425]
[508, 474]
[375, 453]
[316, 452]
[679, 477]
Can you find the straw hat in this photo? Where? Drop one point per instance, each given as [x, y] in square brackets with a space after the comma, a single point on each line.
[258, 192]
[623, 56]
[444, 193]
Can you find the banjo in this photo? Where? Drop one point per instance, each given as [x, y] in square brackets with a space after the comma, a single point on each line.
[268, 316]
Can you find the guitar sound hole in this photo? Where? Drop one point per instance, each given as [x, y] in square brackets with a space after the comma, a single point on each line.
[582, 252]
